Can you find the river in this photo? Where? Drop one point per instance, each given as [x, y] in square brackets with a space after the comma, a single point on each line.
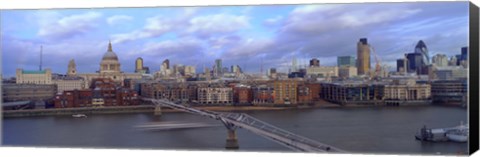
[357, 130]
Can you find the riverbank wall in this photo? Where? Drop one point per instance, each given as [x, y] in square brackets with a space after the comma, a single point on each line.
[71, 111]
[150, 109]
[124, 109]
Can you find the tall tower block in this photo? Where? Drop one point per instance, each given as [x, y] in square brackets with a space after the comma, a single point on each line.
[138, 64]
[363, 56]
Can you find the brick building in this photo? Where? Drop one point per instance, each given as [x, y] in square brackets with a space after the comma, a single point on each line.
[285, 91]
[171, 91]
[107, 89]
[102, 92]
[242, 94]
[308, 92]
[73, 98]
[262, 94]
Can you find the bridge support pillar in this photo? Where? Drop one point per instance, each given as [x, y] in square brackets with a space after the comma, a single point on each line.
[158, 110]
[232, 142]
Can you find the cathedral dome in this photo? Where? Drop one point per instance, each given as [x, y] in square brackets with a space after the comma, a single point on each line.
[110, 63]
[110, 55]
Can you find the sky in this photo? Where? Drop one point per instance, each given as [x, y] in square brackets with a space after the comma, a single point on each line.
[267, 36]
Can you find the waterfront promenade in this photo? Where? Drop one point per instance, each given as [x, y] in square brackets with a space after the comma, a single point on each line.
[150, 109]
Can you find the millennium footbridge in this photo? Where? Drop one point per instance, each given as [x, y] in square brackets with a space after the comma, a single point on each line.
[232, 121]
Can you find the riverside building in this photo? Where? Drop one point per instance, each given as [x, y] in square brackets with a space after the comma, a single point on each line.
[285, 91]
[31, 92]
[33, 76]
[215, 95]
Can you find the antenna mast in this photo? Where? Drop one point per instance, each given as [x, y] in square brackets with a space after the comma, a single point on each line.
[261, 66]
[41, 54]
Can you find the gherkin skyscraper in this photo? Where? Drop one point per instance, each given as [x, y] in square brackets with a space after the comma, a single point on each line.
[422, 49]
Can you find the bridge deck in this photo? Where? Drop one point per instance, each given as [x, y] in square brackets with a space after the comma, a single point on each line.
[283, 137]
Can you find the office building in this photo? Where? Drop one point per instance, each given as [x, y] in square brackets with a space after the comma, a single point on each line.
[218, 68]
[352, 93]
[450, 92]
[464, 57]
[464, 53]
[453, 61]
[451, 73]
[294, 67]
[459, 59]
[421, 48]
[165, 70]
[138, 65]
[346, 61]
[171, 91]
[272, 73]
[363, 57]
[67, 83]
[190, 70]
[347, 71]
[314, 62]
[322, 71]
[415, 64]
[402, 65]
[406, 91]
[28, 92]
[440, 60]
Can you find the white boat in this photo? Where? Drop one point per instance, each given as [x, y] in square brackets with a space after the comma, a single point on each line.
[456, 134]
[79, 116]
[460, 134]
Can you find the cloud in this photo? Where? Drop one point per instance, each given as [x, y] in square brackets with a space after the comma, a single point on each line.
[217, 24]
[273, 21]
[315, 20]
[118, 19]
[185, 47]
[69, 26]
[186, 24]
[248, 48]
[154, 27]
[158, 25]
[249, 37]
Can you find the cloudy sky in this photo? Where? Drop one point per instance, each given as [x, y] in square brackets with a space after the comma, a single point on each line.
[248, 36]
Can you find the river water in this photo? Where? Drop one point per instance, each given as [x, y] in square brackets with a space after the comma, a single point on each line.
[357, 130]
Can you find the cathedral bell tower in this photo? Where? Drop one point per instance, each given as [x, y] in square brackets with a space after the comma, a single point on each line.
[72, 68]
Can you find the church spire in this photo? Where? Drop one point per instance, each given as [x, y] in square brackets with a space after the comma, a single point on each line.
[110, 46]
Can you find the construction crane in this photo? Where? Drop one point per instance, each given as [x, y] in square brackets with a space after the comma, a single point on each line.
[378, 68]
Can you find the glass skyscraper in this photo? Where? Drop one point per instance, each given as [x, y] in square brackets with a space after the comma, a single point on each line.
[346, 61]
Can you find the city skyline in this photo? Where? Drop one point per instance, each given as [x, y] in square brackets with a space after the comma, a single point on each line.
[239, 35]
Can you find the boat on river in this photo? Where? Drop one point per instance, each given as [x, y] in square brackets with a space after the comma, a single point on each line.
[455, 134]
[79, 116]
[458, 135]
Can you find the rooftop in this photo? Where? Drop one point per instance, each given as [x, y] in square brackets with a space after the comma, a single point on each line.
[33, 72]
